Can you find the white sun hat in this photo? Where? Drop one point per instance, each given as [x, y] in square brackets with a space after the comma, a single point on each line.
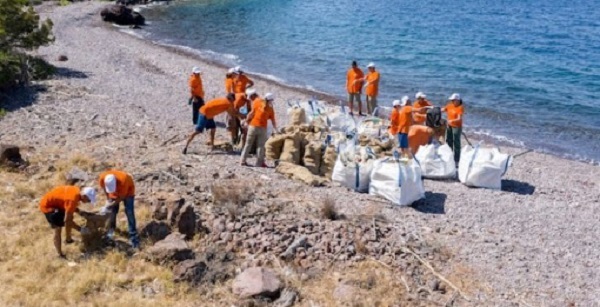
[396, 103]
[231, 70]
[250, 92]
[420, 95]
[405, 100]
[454, 96]
[269, 96]
[371, 65]
[196, 70]
[110, 183]
[90, 193]
[237, 69]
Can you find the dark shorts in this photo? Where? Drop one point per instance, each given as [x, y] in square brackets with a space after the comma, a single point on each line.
[403, 140]
[205, 123]
[56, 218]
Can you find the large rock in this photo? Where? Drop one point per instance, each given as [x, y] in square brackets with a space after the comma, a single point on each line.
[76, 175]
[164, 205]
[257, 282]
[190, 271]
[172, 249]
[122, 15]
[185, 221]
[10, 155]
[92, 236]
[155, 231]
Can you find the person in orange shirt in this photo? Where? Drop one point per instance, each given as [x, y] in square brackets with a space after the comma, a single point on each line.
[119, 187]
[262, 112]
[371, 88]
[59, 205]
[354, 84]
[401, 121]
[421, 105]
[240, 81]
[419, 135]
[455, 111]
[229, 81]
[207, 115]
[196, 93]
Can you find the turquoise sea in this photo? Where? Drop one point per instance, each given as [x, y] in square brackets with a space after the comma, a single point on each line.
[528, 70]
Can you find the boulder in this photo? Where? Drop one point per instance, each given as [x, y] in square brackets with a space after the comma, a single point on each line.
[190, 271]
[76, 175]
[92, 234]
[257, 282]
[185, 221]
[155, 231]
[165, 207]
[122, 15]
[10, 155]
[172, 249]
[174, 206]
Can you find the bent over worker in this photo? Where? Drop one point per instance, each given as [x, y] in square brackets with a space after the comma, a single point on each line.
[196, 92]
[59, 205]
[262, 112]
[119, 187]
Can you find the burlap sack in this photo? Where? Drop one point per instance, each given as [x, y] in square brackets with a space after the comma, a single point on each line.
[290, 129]
[297, 116]
[363, 140]
[312, 157]
[328, 162]
[274, 146]
[291, 149]
[300, 173]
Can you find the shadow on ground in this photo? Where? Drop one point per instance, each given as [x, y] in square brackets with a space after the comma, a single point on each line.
[434, 203]
[519, 187]
[67, 73]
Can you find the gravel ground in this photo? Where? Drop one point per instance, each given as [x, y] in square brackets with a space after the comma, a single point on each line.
[536, 242]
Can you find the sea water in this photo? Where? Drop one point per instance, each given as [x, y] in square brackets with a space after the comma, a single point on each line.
[528, 70]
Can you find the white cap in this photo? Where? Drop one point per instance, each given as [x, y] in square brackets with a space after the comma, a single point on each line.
[454, 96]
[396, 103]
[137, 9]
[371, 65]
[90, 193]
[405, 100]
[196, 70]
[420, 95]
[250, 92]
[269, 97]
[110, 183]
[237, 69]
[231, 70]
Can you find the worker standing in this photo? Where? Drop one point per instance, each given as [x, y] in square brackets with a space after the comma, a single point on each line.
[120, 188]
[354, 84]
[59, 205]
[262, 112]
[197, 93]
[229, 81]
[455, 111]
[240, 81]
[401, 119]
[371, 88]
[420, 106]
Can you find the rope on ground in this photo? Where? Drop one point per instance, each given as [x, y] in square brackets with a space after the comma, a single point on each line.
[523, 153]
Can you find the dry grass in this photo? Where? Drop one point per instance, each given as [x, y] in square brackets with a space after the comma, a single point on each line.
[328, 209]
[232, 192]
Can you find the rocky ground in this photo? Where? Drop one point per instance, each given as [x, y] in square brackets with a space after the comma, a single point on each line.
[122, 101]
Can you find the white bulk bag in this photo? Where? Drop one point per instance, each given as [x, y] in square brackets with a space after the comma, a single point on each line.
[482, 167]
[353, 166]
[397, 181]
[372, 127]
[437, 161]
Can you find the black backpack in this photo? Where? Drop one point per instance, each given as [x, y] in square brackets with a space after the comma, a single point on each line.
[434, 117]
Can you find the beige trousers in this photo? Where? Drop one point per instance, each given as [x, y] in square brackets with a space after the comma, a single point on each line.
[257, 136]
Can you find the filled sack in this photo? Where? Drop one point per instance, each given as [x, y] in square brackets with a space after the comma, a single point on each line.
[397, 181]
[483, 167]
[313, 153]
[372, 127]
[274, 146]
[341, 122]
[291, 149]
[353, 168]
[328, 161]
[437, 161]
[296, 116]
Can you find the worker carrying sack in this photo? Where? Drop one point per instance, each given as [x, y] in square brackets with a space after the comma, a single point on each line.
[434, 117]
[482, 167]
[437, 161]
[397, 181]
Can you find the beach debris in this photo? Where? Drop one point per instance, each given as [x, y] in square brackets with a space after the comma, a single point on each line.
[122, 15]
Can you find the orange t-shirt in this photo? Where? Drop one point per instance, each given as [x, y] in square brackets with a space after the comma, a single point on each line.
[394, 121]
[215, 107]
[240, 83]
[262, 113]
[421, 116]
[64, 198]
[196, 86]
[453, 113]
[125, 185]
[241, 101]
[405, 119]
[418, 135]
[372, 88]
[354, 74]
[229, 85]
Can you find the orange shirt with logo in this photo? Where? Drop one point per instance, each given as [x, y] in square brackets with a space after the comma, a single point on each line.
[420, 116]
[418, 135]
[240, 83]
[196, 86]
[215, 107]
[454, 112]
[372, 88]
[263, 112]
[64, 198]
[125, 185]
[353, 75]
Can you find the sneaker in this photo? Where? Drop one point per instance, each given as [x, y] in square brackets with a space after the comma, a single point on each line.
[184, 151]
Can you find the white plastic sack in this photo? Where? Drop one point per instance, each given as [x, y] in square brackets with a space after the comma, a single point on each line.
[437, 162]
[312, 109]
[372, 127]
[353, 175]
[341, 121]
[482, 167]
[397, 181]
